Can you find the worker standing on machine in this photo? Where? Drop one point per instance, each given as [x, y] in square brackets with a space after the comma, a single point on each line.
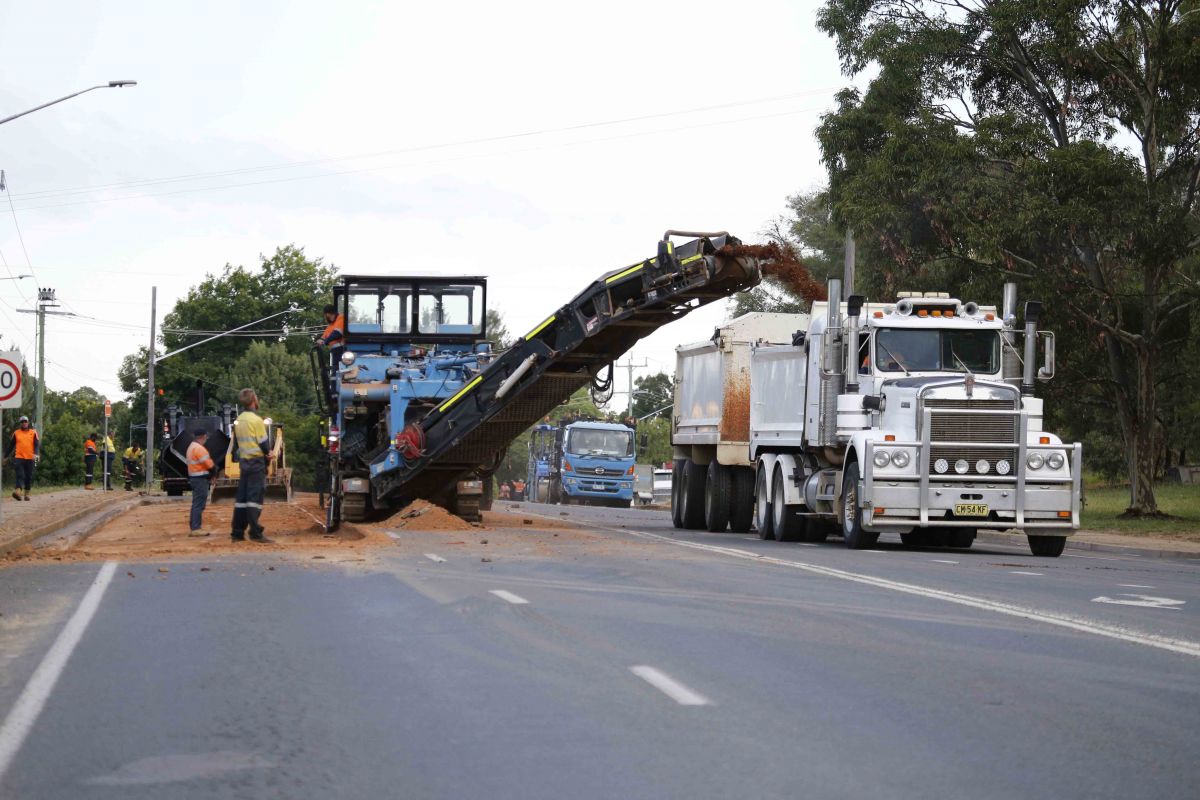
[252, 448]
[334, 336]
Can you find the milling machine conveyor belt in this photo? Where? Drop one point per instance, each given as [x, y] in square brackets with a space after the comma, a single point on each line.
[565, 352]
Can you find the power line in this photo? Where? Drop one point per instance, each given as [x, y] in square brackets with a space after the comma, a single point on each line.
[47, 193]
[20, 236]
[338, 173]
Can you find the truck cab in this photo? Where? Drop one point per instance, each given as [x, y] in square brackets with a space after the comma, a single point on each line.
[598, 464]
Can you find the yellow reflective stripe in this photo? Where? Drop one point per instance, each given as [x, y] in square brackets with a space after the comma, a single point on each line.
[539, 328]
[624, 274]
[690, 259]
[460, 393]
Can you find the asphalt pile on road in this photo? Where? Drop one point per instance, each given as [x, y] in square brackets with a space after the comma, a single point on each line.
[426, 516]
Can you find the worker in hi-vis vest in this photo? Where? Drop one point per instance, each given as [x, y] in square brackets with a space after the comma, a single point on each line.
[252, 448]
[25, 447]
[200, 474]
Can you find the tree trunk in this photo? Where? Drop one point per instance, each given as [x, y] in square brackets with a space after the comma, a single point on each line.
[1141, 439]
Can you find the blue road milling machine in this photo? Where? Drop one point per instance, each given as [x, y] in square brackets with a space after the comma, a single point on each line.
[421, 406]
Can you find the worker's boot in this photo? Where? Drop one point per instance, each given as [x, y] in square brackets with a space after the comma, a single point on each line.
[16, 494]
[26, 494]
[88, 486]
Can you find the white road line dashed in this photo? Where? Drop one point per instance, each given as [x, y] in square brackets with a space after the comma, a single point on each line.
[942, 561]
[33, 698]
[1019, 572]
[670, 687]
[507, 596]
[434, 557]
[1134, 586]
[394, 535]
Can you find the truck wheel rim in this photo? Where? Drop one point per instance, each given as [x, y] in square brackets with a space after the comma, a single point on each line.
[849, 506]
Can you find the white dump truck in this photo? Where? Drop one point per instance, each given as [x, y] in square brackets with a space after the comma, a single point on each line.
[915, 417]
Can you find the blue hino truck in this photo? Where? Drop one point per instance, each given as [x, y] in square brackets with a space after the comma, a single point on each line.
[419, 404]
[586, 462]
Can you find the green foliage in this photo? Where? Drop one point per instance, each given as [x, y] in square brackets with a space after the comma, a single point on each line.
[991, 145]
[656, 435]
[497, 331]
[222, 302]
[282, 380]
[652, 393]
[302, 437]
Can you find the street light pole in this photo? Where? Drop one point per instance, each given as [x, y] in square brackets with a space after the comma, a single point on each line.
[109, 85]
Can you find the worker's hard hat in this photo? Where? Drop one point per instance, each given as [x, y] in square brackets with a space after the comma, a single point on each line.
[23, 419]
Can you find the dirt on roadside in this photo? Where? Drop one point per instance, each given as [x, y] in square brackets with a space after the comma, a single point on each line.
[159, 531]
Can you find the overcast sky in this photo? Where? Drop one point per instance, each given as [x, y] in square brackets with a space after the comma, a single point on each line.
[540, 144]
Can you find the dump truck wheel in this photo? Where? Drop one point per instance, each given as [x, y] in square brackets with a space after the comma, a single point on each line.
[960, 539]
[852, 526]
[762, 506]
[788, 525]
[677, 493]
[693, 495]
[1047, 546]
[718, 491]
[741, 510]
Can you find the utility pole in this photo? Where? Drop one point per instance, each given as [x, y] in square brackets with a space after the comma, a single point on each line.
[150, 395]
[630, 366]
[45, 300]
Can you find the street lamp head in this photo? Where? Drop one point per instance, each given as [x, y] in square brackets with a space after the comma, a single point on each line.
[119, 84]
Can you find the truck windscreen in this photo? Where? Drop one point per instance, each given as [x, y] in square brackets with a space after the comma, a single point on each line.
[933, 350]
[618, 444]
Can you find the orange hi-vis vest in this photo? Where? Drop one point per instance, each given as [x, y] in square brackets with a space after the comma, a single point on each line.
[198, 460]
[26, 443]
[89, 448]
[339, 325]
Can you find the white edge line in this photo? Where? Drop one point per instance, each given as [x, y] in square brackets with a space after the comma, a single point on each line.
[509, 597]
[1019, 572]
[670, 687]
[942, 561]
[1183, 646]
[29, 705]
[434, 557]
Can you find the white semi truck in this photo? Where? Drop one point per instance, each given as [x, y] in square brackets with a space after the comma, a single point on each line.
[916, 417]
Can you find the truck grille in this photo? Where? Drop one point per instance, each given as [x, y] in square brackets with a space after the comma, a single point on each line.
[960, 428]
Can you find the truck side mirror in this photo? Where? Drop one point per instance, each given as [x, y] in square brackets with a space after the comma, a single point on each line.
[1046, 372]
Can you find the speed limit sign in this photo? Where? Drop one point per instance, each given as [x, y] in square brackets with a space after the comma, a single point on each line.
[10, 378]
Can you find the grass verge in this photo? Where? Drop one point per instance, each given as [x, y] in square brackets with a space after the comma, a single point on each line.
[1104, 504]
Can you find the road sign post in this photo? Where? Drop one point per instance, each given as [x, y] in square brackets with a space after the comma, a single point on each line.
[11, 363]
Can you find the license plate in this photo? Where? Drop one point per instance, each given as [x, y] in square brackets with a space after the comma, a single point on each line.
[970, 509]
[597, 487]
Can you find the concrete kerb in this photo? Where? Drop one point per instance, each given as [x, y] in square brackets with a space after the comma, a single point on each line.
[990, 537]
[84, 522]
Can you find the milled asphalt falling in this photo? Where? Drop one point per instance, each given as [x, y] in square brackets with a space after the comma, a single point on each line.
[408, 677]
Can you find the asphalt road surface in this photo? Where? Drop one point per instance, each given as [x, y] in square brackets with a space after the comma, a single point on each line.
[648, 663]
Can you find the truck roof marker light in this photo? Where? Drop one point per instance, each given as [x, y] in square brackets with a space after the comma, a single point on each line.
[1043, 440]
[891, 437]
[937, 313]
[878, 315]
[922, 313]
[948, 314]
[989, 317]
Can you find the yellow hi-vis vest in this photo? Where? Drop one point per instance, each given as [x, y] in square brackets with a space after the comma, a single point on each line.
[248, 431]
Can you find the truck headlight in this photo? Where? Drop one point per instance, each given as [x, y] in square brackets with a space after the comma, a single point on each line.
[626, 484]
[982, 466]
[1035, 461]
[961, 466]
[1002, 466]
[1055, 461]
[900, 458]
[941, 466]
[882, 458]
